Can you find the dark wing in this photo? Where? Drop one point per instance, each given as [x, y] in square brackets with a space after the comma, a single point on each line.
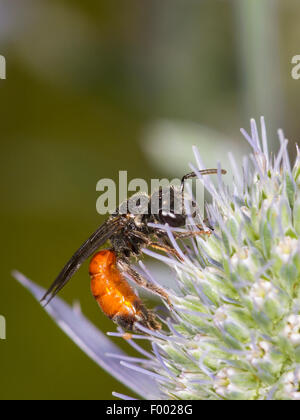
[98, 238]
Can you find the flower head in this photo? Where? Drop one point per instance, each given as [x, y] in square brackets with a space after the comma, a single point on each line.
[235, 329]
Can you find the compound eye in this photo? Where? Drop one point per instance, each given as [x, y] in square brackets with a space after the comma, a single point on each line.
[173, 220]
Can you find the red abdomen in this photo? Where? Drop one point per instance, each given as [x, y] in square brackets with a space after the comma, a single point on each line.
[112, 292]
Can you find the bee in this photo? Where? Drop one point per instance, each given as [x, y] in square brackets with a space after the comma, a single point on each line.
[128, 233]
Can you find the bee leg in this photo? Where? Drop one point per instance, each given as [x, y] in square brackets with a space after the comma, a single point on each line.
[206, 223]
[167, 249]
[192, 234]
[125, 267]
[162, 246]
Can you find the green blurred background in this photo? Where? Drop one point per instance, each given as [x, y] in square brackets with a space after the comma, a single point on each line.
[85, 81]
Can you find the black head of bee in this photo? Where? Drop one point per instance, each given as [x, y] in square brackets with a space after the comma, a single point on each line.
[172, 219]
[166, 206]
[171, 210]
